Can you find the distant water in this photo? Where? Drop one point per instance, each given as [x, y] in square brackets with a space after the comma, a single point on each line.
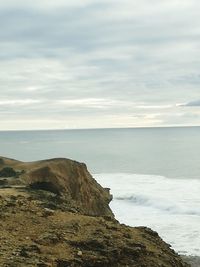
[153, 173]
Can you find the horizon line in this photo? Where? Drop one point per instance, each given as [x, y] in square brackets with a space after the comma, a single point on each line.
[100, 128]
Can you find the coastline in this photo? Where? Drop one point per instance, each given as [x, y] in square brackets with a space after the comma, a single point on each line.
[74, 229]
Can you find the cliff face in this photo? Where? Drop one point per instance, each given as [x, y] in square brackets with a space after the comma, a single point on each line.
[44, 228]
[68, 178]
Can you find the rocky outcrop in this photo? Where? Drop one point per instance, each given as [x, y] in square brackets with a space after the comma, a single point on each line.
[67, 178]
[44, 222]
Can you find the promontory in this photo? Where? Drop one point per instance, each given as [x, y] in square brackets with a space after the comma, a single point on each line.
[54, 213]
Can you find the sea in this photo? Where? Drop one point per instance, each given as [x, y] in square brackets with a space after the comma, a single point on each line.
[153, 173]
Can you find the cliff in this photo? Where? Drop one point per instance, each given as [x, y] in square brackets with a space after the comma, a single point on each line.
[64, 177]
[44, 219]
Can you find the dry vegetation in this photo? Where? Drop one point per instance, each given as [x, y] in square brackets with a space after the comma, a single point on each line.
[40, 228]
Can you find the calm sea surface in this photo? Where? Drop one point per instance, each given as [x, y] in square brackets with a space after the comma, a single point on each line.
[153, 173]
[173, 152]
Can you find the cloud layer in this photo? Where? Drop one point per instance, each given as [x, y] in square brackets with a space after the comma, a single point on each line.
[192, 104]
[92, 63]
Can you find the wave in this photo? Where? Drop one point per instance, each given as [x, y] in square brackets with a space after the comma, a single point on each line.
[159, 204]
[179, 196]
[171, 206]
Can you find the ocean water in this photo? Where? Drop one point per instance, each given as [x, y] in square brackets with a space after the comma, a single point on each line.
[153, 173]
[169, 206]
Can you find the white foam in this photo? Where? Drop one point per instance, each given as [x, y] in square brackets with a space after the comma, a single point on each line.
[169, 206]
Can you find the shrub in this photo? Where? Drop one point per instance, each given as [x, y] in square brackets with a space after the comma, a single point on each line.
[8, 172]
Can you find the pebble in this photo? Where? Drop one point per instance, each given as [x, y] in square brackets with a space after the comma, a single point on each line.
[79, 253]
[48, 212]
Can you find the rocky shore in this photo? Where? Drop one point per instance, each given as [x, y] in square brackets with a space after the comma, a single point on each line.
[53, 213]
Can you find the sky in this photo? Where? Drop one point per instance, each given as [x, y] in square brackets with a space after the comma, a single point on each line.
[99, 63]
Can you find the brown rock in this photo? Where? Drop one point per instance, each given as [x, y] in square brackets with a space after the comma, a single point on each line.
[33, 233]
[68, 178]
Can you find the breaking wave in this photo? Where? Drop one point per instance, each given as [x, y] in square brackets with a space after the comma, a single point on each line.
[160, 204]
[168, 205]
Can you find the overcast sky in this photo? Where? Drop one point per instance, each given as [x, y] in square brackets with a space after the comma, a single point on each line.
[107, 63]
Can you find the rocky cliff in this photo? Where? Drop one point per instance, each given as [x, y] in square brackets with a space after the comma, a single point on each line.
[64, 177]
[44, 221]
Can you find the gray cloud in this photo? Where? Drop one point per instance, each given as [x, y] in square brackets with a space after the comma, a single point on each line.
[191, 104]
[98, 63]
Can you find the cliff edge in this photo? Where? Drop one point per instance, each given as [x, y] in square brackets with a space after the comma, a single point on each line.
[64, 177]
[53, 213]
